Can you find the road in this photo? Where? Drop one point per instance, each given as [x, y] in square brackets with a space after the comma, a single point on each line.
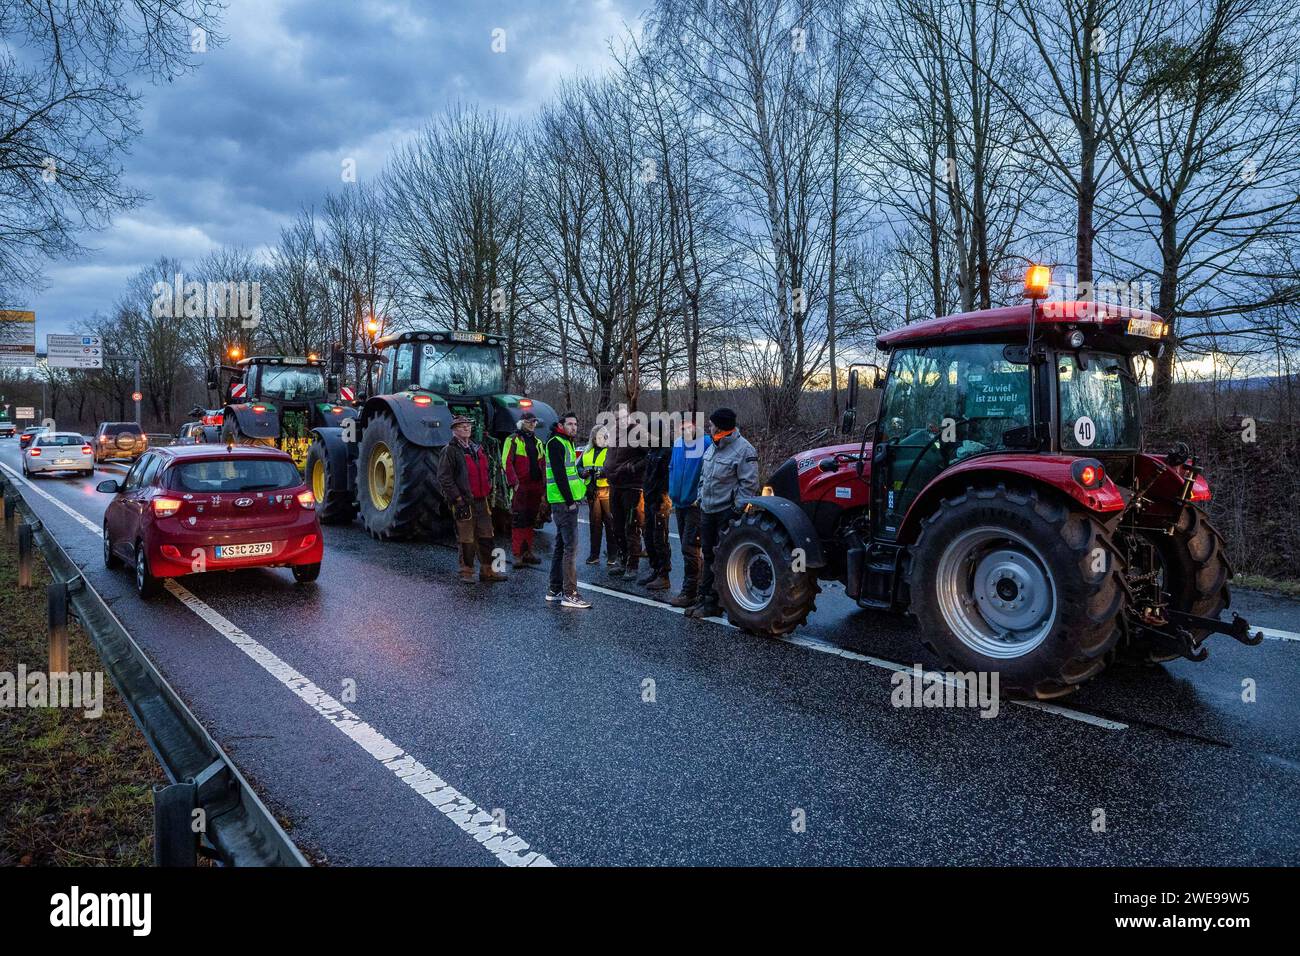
[627, 734]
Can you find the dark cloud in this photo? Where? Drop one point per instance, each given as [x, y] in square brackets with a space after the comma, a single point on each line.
[230, 152]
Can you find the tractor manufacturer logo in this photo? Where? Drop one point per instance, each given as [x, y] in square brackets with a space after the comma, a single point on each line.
[238, 390]
[243, 502]
[347, 394]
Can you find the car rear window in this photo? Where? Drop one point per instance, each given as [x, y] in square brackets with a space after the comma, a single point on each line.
[120, 428]
[234, 474]
[46, 440]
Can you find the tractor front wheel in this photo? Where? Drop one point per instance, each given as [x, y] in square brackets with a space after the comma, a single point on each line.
[334, 503]
[755, 570]
[1015, 582]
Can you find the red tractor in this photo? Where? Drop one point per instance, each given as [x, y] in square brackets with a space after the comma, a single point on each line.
[1003, 497]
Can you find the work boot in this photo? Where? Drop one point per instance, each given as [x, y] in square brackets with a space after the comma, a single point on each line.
[685, 599]
[617, 570]
[709, 609]
[467, 562]
[530, 558]
[659, 583]
[648, 575]
[485, 572]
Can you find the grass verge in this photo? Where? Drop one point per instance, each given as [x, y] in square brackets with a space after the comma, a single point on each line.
[74, 790]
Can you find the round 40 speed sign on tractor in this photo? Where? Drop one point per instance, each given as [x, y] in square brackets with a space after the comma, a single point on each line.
[1085, 432]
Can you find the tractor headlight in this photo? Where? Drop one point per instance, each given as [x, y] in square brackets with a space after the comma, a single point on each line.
[1076, 339]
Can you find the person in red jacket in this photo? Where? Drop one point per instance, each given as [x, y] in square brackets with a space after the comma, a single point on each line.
[521, 458]
[466, 483]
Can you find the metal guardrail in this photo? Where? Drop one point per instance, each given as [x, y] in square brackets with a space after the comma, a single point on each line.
[238, 829]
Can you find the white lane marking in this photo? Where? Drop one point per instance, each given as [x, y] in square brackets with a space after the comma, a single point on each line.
[823, 647]
[501, 842]
[1275, 635]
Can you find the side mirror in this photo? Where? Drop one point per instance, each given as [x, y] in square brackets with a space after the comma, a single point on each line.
[847, 420]
[332, 384]
[196, 412]
[109, 487]
[214, 379]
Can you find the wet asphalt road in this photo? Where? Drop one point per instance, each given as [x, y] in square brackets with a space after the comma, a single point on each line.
[627, 734]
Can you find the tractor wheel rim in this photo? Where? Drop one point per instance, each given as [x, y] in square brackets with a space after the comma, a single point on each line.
[751, 579]
[318, 479]
[382, 475]
[995, 593]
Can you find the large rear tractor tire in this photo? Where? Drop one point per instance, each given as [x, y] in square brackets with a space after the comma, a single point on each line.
[755, 576]
[1020, 583]
[1196, 573]
[396, 482]
[334, 503]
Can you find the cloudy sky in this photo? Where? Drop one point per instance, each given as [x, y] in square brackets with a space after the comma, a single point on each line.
[229, 153]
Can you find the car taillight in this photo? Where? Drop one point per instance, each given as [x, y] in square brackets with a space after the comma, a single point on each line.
[307, 499]
[35, 453]
[308, 541]
[166, 507]
[87, 450]
[171, 551]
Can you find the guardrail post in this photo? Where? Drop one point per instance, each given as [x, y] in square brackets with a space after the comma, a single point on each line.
[174, 841]
[11, 513]
[24, 556]
[58, 619]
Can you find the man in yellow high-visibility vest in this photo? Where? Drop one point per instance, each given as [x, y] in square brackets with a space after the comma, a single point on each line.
[564, 489]
[592, 463]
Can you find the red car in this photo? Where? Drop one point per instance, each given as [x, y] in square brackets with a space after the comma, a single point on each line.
[188, 509]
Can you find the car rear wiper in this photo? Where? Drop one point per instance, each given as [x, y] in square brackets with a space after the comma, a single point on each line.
[262, 487]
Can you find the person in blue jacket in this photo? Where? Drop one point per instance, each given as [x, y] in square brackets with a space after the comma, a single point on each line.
[684, 492]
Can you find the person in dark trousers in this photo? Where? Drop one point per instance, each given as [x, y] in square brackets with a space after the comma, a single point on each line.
[624, 469]
[521, 459]
[564, 489]
[465, 479]
[684, 492]
[729, 472]
[654, 495]
[602, 522]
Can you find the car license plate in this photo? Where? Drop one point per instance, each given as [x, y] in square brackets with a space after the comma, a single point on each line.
[243, 550]
[65, 461]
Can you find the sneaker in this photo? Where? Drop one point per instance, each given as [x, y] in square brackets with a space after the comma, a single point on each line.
[611, 562]
[593, 560]
[554, 596]
[616, 571]
[574, 600]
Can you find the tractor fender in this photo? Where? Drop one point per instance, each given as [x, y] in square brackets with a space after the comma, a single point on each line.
[428, 426]
[796, 522]
[264, 424]
[1049, 471]
[338, 455]
[506, 412]
[330, 418]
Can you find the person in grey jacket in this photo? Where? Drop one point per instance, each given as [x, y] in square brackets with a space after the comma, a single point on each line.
[729, 473]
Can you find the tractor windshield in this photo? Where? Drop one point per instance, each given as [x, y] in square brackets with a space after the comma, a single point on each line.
[1099, 402]
[460, 368]
[291, 383]
[949, 402]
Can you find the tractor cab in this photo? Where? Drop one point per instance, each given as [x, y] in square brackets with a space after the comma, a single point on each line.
[462, 370]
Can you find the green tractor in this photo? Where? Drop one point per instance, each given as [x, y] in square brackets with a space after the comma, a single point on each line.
[277, 401]
[383, 466]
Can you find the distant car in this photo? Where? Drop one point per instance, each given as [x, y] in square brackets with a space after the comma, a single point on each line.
[189, 509]
[28, 434]
[7, 428]
[58, 451]
[198, 433]
[123, 440]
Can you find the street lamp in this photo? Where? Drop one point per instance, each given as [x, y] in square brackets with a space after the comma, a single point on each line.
[235, 353]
